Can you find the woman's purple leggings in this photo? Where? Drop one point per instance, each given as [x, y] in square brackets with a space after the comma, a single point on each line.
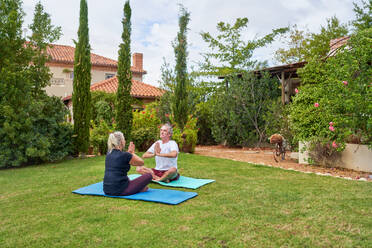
[137, 184]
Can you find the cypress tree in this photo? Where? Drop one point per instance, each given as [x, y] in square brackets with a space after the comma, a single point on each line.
[123, 114]
[81, 84]
[180, 103]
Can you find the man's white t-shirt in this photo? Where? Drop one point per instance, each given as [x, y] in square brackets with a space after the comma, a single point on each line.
[163, 163]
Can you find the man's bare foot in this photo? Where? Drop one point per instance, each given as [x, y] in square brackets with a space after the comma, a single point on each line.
[155, 178]
[162, 180]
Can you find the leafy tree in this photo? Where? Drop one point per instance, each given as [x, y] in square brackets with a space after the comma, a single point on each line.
[166, 82]
[229, 52]
[195, 92]
[43, 33]
[218, 108]
[302, 46]
[318, 43]
[180, 104]
[123, 116]
[81, 97]
[296, 41]
[363, 15]
[32, 125]
[238, 115]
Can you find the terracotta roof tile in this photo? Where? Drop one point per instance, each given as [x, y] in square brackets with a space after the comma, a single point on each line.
[65, 54]
[138, 90]
[336, 44]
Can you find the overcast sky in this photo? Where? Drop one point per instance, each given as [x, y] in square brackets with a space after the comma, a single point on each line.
[155, 23]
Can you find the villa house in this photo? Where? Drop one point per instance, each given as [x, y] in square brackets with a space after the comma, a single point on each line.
[61, 65]
[103, 73]
[141, 91]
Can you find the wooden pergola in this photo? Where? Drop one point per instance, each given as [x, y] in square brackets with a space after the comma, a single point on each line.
[288, 77]
[286, 74]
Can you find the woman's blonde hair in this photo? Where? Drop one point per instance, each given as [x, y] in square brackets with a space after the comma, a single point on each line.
[115, 140]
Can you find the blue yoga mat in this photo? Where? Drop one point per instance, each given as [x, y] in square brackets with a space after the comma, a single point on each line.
[166, 196]
[182, 182]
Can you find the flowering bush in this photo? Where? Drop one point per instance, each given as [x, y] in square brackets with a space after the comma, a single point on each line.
[333, 104]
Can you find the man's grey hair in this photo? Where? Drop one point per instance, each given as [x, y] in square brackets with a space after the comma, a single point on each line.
[169, 127]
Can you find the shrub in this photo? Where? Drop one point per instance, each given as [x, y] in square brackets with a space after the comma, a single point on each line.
[186, 139]
[145, 129]
[102, 107]
[98, 137]
[35, 133]
[277, 119]
[103, 113]
[144, 137]
[163, 107]
[323, 152]
[204, 124]
[237, 114]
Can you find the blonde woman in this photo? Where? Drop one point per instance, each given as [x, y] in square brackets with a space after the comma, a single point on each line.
[117, 165]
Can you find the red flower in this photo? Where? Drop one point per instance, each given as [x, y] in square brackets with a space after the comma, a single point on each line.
[316, 105]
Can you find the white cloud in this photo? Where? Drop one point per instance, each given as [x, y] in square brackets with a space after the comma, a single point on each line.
[296, 4]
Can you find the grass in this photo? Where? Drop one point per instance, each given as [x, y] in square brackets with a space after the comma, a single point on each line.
[248, 206]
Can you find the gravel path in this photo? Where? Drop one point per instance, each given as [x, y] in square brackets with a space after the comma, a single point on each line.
[265, 157]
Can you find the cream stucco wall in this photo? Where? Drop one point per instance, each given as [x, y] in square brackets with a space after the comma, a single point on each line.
[61, 82]
[355, 157]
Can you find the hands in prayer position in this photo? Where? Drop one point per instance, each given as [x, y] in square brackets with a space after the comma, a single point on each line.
[157, 149]
[131, 147]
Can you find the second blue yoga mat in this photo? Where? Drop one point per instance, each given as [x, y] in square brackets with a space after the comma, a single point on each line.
[182, 182]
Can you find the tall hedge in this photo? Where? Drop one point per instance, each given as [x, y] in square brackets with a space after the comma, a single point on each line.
[81, 97]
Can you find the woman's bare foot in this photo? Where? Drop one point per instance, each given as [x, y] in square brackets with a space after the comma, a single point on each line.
[144, 189]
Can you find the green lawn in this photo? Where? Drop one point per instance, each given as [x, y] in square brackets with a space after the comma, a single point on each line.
[247, 206]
